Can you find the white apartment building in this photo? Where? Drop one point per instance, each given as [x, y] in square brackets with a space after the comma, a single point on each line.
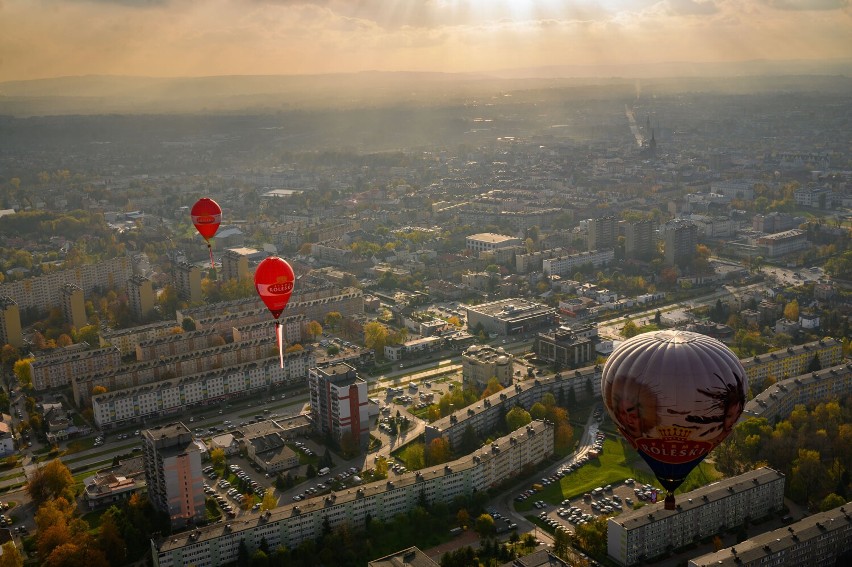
[127, 339]
[650, 531]
[131, 405]
[567, 265]
[55, 370]
[779, 399]
[339, 402]
[289, 525]
[489, 242]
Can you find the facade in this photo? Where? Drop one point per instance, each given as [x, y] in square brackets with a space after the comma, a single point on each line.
[173, 396]
[293, 329]
[742, 189]
[127, 339]
[188, 282]
[779, 399]
[488, 242]
[681, 238]
[173, 473]
[140, 296]
[55, 370]
[820, 540]
[565, 348]
[510, 316]
[339, 402]
[173, 344]
[413, 347]
[10, 323]
[567, 265]
[289, 525]
[650, 531]
[783, 243]
[44, 292]
[73, 306]
[270, 452]
[481, 363]
[235, 263]
[794, 360]
[639, 240]
[7, 437]
[603, 233]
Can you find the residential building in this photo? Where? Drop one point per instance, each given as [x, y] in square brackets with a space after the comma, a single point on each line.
[10, 323]
[7, 437]
[235, 263]
[173, 473]
[643, 534]
[639, 240]
[603, 233]
[742, 189]
[140, 296]
[74, 306]
[58, 368]
[565, 348]
[778, 400]
[794, 360]
[481, 363]
[188, 282]
[681, 237]
[176, 343]
[114, 484]
[289, 525]
[127, 339]
[567, 265]
[339, 402]
[782, 243]
[823, 539]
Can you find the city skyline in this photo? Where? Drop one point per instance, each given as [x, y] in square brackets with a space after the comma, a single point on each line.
[171, 38]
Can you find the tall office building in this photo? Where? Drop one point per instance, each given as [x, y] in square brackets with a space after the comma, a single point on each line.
[140, 295]
[74, 306]
[10, 323]
[639, 241]
[681, 237]
[173, 473]
[188, 282]
[603, 233]
[235, 263]
[339, 402]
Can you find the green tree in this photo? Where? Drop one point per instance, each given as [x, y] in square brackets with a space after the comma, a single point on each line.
[538, 411]
[188, 324]
[629, 329]
[831, 501]
[517, 417]
[561, 543]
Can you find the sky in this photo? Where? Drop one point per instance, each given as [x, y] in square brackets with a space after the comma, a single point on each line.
[169, 38]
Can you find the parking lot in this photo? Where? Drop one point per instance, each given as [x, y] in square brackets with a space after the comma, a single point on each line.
[603, 501]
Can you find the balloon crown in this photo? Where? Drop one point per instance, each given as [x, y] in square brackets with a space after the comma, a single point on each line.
[675, 433]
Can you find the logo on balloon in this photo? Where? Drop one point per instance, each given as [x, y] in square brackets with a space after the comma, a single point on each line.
[205, 220]
[280, 288]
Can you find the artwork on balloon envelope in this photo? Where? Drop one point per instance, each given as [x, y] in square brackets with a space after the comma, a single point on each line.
[206, 215]
[274, 280]
[674, 395]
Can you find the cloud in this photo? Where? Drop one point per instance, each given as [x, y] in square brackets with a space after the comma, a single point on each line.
[808, 5]
[692, 7]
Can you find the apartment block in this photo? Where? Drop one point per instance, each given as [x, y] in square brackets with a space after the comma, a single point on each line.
[567, 265]
[639, 240]
[779, 399]
[74, 306]
[173, 473]
[289, 525]
[188, 282]
[339, 402]
[10, 323]
[650, 531]
[58, 369]
[603, 233]
[488, 242]
[140, 296]
[127, 339]
[235, 263]
[175, 343]
[481, 363]
[680, 237]
[794, 360]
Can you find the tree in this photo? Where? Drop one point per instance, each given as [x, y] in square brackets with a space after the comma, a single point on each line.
[815, 365]
[269, 501]
[629, 329]
[484, 525]
[658, 318]
[349, 444]
[791, 311]
[561, 543]
[517, 417]
[375, 337]
[439, 451]
[313, 329]
[332, 319]
[463, 518]
[217, 457]
[493, 387]
[24, 373]
[11, 556]
[52, 481]
[538, 411]
[310, 471]
[188, 324]
[110, 540]
[99, 390]
[563, 437]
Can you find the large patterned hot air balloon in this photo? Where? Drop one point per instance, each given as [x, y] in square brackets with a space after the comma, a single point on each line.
[274, 280]
[206, 216]
[674, 395]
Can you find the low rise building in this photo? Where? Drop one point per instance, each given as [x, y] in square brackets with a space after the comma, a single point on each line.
[481, 363]
[508, 317]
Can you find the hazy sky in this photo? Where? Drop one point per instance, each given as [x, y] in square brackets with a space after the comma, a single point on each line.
[47, 38]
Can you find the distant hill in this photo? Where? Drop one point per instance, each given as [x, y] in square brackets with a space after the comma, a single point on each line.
[264, 94]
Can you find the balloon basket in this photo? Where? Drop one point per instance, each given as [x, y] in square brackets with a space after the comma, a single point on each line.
[670, 502]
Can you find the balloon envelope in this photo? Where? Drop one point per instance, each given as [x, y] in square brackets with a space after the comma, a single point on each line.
[206, 216]
[674, 395]
[273, 281]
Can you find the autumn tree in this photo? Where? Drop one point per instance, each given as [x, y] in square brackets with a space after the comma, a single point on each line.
[269, 501]
[439, 451]
[375, 337]
[791, 311]
[493, 387]
[24, 373]
[11, 556]
[332, 319]
[110, 540]
[592, 536]
[463, 518]
[313, 329]
[52, 481]
[217, 457]
[484, 525]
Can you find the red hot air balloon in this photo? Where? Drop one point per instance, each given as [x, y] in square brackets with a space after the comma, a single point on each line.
[674, 395]
[207, 216]
[274, 281]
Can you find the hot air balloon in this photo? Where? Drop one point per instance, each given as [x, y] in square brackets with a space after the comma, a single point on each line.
[206, 216]
[274, 281]
[674, 395]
